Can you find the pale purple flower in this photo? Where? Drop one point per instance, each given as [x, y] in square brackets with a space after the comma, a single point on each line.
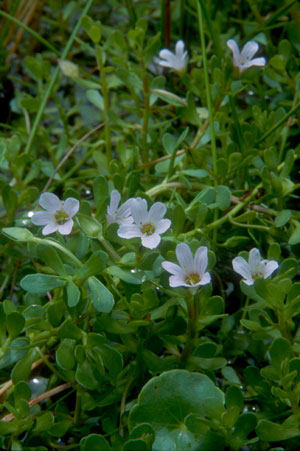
[243, 60]
[147, 225]
[58, 215]
[255, 268]
[191, 272]
[176, 61]
[122, 214]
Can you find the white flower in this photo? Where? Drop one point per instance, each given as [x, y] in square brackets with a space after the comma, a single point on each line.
[243, 60]
[177, 61]
[255, 268]
[147, 225]
[122, 214]
[191, 272]
[58, 214]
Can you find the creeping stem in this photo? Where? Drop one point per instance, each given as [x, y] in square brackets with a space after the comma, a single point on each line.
[105, 94]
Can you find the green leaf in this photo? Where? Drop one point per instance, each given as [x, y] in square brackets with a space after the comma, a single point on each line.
[270, 292]
[85, 375]
[169, 97]
[223, 197]
[14, 323]
[89, 225]
[14, 354]
[41, 283]
[279, 351]
[69, 330]
[95, 98]
[10, 200]
[18, 234]
[73, 294]
[275, 432]
[295, 236]
[234, 398]
[65, 354]
[283, 217]
[95, 264]
[102, 298]
[94, 442]
[22, 369]
[169, 142]
[245, 424]
[49, 256]
[44, 422]
[124, 275]
[165, 402]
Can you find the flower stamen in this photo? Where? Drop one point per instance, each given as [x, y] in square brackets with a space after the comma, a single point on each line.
[192, 279]
[148, 229]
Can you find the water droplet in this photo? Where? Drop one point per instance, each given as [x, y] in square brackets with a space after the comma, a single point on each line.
[38, 385]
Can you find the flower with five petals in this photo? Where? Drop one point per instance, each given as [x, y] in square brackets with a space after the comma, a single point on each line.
[255, 268]
[243, 60]
[122, 214]
[58, 215]
[176, 61]
[191, 272]
[146, 225]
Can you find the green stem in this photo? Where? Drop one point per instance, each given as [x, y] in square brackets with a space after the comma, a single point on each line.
[192, 308]
[105, 93]
[250, 226]
[208, 95]
[282, 120]
[58, 246]
[109, 248]
[31, 32]
[146, 91]
[54, 77]
[77, 406]
[226, 217]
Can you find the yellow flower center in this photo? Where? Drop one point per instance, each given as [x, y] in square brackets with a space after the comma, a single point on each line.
[192, 279]
[148, 229]
[61, 217]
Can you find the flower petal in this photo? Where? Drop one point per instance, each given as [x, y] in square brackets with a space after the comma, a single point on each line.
[50, 228]
[115, 198]
[255, 62]
[235, 50]
[151, 241]
[174, 269]
[129, 231]
[242, 267]
[205, 279]
[254, 260]
[66, 228]
[184, 256]
[157, 212]
[42, 218]
[167, 55]
[162, 226]
[139, 210]
[201, 260]
[125, 209]
[270, 267]
[179, 49]
[50, 202]
[249, 50]
[176, 281]
[71, 206]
